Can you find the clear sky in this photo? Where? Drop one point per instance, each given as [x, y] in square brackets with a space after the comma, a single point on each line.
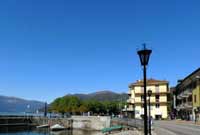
[49, 48]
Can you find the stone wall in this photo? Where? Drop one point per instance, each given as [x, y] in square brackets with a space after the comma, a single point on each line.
[91, 122]
[77, 122]
[66, 122]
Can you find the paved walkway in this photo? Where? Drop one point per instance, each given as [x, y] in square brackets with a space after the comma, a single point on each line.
[176, 128]
[188, 122]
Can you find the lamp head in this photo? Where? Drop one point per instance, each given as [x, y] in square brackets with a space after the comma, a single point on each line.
[144, 55]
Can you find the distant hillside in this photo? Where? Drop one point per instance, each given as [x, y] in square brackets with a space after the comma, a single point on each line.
[13, 104]
[102, 96]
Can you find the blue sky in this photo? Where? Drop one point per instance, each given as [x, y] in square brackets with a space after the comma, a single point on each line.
[49, 48]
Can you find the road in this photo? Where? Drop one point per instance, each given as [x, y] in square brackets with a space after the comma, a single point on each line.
[175, 128]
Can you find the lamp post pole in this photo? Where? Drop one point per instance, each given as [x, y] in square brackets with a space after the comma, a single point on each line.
[144, 58]
[149, 94]
[145, 101]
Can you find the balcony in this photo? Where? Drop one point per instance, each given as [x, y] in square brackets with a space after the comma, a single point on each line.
[129, 109]
[184, 105]
[142, 111]
[130, 101]
[154, 92]
[179, 97]
[183, 95]
[180, 106]
[142, 100]
[158, 111]
[188, 105]
[188, 92]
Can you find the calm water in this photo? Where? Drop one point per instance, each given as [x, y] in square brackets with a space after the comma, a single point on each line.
[22, 131]
[28, 131]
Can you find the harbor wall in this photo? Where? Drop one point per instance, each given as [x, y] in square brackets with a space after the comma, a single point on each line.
[66, 122]
[77, 122]
[91, 122]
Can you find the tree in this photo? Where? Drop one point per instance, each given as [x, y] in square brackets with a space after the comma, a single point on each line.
[74, 105]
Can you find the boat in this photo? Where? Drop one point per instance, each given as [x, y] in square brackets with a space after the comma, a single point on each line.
[43, 126]
[57, 127]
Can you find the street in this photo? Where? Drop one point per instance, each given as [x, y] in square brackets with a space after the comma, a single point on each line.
[175, 128]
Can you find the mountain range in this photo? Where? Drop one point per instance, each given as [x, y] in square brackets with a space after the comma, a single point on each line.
[14, 104]
[102, 96]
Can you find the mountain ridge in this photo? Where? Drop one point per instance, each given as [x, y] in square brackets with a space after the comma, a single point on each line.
[103, 95]
[15, 104]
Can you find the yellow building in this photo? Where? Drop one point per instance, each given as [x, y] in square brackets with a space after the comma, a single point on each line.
[158, 98]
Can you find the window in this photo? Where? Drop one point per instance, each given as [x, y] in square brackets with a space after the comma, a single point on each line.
[142, 98]
[157, 88]
[195, 98]
[157, 98]
[184, 100]
[157, 105]
[142, 89]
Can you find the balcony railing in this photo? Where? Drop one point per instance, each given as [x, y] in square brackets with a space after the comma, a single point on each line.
[179, 97]
[184, 105]
[185, 94]
[130, 100]
[153, 92]
[130, 109]
[180, 106]
[188, 92]
[188, 105]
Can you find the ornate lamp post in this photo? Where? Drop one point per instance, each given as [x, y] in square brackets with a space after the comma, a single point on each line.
[144, 59]
[149, 94]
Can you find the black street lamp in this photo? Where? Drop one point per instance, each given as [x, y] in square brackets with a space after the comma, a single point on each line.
[149, 94]
[144, 59]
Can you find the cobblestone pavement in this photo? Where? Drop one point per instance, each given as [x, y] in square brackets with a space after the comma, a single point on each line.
[176, 128]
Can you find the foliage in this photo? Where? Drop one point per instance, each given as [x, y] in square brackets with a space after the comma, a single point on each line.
[73, 105]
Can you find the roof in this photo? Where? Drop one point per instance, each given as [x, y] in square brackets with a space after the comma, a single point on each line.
[149, 82]
[196, 72]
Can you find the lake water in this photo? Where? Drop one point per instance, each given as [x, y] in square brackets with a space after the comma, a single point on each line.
[19, 131]
[28, 131]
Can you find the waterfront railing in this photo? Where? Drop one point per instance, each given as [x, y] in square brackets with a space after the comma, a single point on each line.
[136, 123]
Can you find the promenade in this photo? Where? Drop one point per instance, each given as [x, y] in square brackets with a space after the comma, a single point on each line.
[176, 127]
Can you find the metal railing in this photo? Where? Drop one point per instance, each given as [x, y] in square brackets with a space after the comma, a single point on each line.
[25, 114]
[136, 123]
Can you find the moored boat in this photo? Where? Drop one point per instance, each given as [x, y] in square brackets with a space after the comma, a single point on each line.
[43, 126]
[57, 127]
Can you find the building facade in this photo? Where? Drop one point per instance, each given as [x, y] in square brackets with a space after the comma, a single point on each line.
[172, 103]
[158, 99]
[188, 96]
